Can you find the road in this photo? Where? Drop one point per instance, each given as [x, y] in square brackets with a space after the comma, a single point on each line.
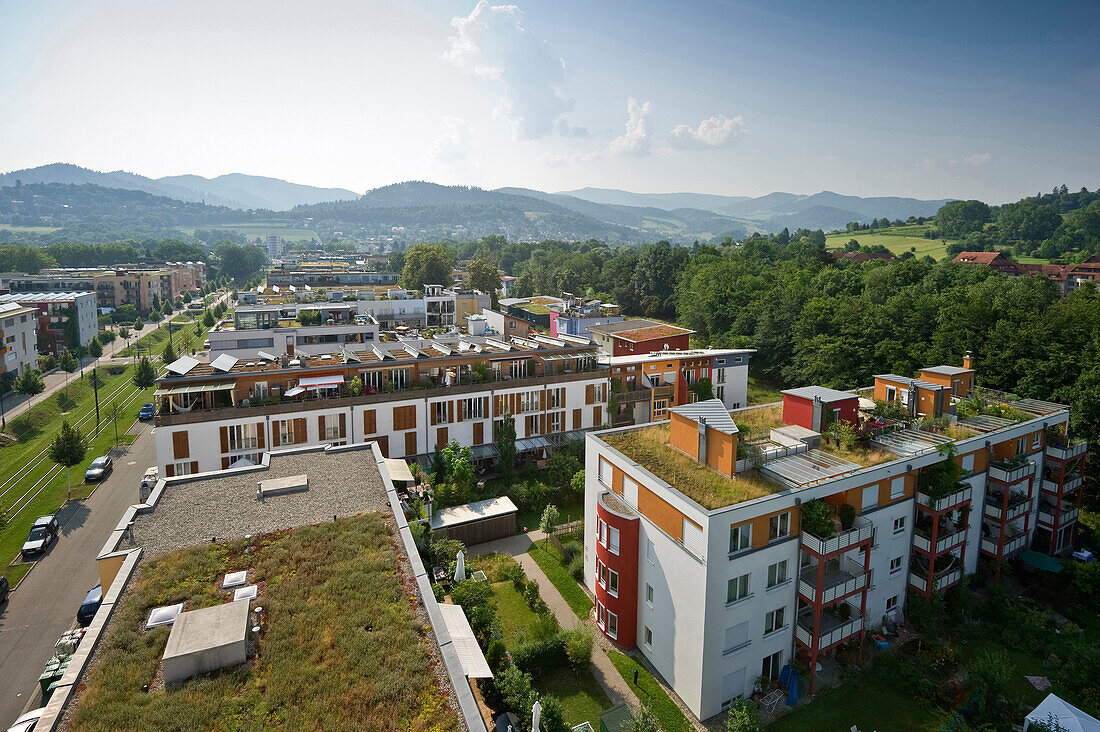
[44, 606]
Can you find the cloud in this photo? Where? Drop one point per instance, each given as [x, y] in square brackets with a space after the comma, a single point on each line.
[716, 131]
[453, 146]
[978, 159]
[635, 140]
[563, 129]
[554, 160]
[492, 44]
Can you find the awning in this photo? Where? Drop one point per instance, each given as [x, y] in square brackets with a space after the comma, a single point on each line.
[195, 388]
[294, 391]
[321, 382]
[1041, 561]
[472, 660]
[399, 470]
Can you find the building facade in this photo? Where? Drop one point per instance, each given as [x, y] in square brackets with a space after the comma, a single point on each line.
[18, 340]
[52, 311]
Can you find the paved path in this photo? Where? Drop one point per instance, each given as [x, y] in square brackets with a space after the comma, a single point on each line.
[45, 603]
[614, 685]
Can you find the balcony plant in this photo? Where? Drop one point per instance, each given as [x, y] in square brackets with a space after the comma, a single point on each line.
[847, 514]
[817, 519]
[941, 479]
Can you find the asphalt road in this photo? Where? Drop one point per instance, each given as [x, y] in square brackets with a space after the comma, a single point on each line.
[44, 606]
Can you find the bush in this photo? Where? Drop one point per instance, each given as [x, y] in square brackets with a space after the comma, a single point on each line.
[742, 716]
[817, 519]
[470, 594]
[444, 551]
[569, 550]
[578, 648]
[518, 577]
[534, 599]
[541, 656]
[438, 591]
[847, 513]
[560, 469]
[576, 568]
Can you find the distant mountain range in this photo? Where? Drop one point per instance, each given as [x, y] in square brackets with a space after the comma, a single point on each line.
[418, 211]
[235, 190]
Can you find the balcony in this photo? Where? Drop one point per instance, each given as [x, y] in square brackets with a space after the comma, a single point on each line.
[1011, 471]
[954, 500]
[645, 395]
[1075, 448]
[835, 628]
[838, 583]
[947, 580]
[1012, 544]
[1018, 504]
[947, 539]
[1046, 515]
[862, 530]
[1072, 483]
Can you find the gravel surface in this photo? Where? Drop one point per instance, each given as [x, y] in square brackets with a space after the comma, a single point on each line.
[340, 483]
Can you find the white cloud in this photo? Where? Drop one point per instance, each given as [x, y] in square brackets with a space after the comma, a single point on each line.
[716, 131]
[635, 140]
[453, 146]
[554, 160]
[492, 44]
[978, 159]
[563, 129]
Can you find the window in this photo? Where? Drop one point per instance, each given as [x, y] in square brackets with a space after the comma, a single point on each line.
[1021, 445]
[630, 491]
[737, 588]
[895, 565]
[607, 620]
[891, 603]
[719, 376]
[649, 594]
[899, 524]
[613, 539]
[1036, 439]
[777, 573]
[183, 468]
[737, 636]
[649, 552]
[332, 427]
[242, 437]
[554, 398]
[968, 463]
[439, 413]
[604, 472]
[601, 573]
[660, 408]
[773, 621]
[720, 393]
[473, 408]
[891, 394]
[613, 582]
[603, 531]
[771, 665]
[287, 433]
[599, 393]
[870, 497]
[897, 487]
[648, 637]
[779, 526]
[905, 397]
[555, 423]
[740, 537]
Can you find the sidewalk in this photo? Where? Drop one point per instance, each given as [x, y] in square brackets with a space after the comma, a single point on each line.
[614, 685]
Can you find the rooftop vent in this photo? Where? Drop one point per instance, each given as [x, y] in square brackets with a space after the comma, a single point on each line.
[165, 615]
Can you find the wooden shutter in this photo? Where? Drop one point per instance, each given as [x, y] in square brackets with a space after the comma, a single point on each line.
[299, 430]
[410, 444]
[542, 401]
[498, 405]
[194, 466]
[589, 393]
[576, 419]
[320, 427]
[458, 409]
[441, 437]
[225, 463]
[542, 424]
[343, 425]
[225, 438]
[479, 433]
[384, 445]
[484, 406]
[370, 422]
[170, 470]
[260, 434]
[433, 412]
[450, 412]
[597, 416]
[275, 437]
[180, 447]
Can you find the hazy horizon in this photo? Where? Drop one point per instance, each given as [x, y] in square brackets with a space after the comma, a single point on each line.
[988, 101]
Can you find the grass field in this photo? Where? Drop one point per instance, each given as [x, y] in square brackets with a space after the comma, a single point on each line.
[898, 239]
[28, 229]
[184, 337]
[653, 694]
[762, 391]
[32, 484]
[549, 560]
[836, 710]
[263, 229]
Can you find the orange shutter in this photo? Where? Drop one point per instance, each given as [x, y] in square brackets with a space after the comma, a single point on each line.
[576, 419]
[450, 412]
[225, 438]
[479, 433]
[299, 430]
[458, 410]
[597, 416]
[589, 393]
[194, 466]
[320, 427]
[410, 444]
[275, 433]
[433, 412]
[370, 423]
[180, 447]
[343, 425]
[170, 470]
[260, 434]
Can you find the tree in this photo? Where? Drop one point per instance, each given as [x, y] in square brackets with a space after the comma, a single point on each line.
[506, 444]
[68, 363]
[577, 483]
[356, 386]
[956, 219]
[168, 355]
[482, 275]
[68, 449]
[167, 308]
[427, 264]
[644, 720]
[549, 519]
[124, 332]
[187, 297]
[29, 383]
[742, 716]
[95, 348]
[208, 319]
[139, 323]
[145, 375]
[114, 412]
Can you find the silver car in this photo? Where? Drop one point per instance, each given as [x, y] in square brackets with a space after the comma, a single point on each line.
[99, 469]
[41, 536]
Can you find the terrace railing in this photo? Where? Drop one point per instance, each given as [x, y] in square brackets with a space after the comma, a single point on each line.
[954, 500]
[1067, 452]
[862, 530]
[1008, 473]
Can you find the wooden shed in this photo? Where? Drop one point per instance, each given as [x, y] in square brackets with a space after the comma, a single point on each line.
[478, 522]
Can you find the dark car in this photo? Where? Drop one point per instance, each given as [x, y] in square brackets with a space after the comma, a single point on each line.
[42, 534]
[90, 606]
[100, 468]
[5, 588]
[146, 412]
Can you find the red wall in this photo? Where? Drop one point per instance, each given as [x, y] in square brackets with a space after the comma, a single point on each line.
[675, 343]
[625, 606]
[799, 411]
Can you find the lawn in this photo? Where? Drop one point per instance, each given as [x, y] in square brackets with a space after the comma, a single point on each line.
[650, 692]
[549, 560]
[184, 337]
[33, 485]
[573, 511]
[516, 616]
[581, 695]
[762, 391]
[340, 647]
[897, 240]
[846, 705]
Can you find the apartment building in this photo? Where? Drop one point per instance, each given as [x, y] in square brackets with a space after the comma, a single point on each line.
[647, 385]
[413, 395]
[52, 312]
[638, 335]
[290, 338]
[1067, 277]
[723, 544]
[135, 285]
[579, 314]
[317, 274]
[18, 342]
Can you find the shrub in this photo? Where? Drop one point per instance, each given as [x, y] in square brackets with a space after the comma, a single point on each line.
[518, 577]
[576, 568]
[847, 514]
[742, 716]
[560, 469]
[577, 483]
[470, 594]
[541, 656]
[817, 519]
[438, 591]
[444, 551]
[496, 655]
[569, 550]
[578, 648]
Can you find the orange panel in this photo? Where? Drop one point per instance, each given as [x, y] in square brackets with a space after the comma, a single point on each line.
[721, 451]
[657, 510]
[760, 527]
[684, 434]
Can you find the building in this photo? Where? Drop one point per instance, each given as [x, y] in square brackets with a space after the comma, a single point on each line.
[720, 543]
[1067, 277]
[413, 395]
[996, 261]
[630, 337]
[17, 336]
[861, 257]
[261, 329]
[506, 325]
[647, 385]
[318, 274]
[579, 314]
[134, 285]
[54, 309]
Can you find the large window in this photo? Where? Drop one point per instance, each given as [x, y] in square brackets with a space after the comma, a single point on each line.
[242, 437]
[779, 526]
[740, 537]
[772, 665]
[737, 588]
[777, 573]
[473, 408]
[613, 539]
[660, 408]
[774, 620]
[897, 487]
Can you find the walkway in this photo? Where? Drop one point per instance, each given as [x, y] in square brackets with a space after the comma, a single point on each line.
[614, 685]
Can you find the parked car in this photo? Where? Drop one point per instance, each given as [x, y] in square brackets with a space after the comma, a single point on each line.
[27, 722]
[5, 590]
[146, 412]
[90, 606]
[100, 468]
[42, 534]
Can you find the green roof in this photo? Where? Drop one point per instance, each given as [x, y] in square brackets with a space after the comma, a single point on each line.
[615, 719]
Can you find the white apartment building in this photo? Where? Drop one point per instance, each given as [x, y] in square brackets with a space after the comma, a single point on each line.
[697, 554]
[18, 342]
[52, 310]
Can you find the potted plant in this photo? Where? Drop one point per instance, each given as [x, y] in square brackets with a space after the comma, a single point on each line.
[847, 514]
[817, 519]
[763, 683]
[845, 611]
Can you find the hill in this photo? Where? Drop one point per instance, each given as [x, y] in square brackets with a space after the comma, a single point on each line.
[233, 191]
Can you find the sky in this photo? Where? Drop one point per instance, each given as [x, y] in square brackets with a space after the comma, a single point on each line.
[987, 100]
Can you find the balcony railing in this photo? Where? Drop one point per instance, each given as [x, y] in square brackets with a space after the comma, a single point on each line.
[959, 497]
[942, 583]
[644, 395]
[1067, 452]
[1010, 547]
[1046, 516]
[834, 629]
[917, 582]
[1015, 511]
[1010, 473]
[1072, 483]
[946, 541]
[837, 584]
[862, 530]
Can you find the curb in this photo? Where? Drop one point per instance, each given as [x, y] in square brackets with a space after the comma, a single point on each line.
[12, 563]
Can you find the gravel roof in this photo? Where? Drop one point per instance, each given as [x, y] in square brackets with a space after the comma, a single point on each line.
[224, 505]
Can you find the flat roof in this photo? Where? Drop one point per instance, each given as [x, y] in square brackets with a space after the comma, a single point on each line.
[632, 324]
[909, 379]
[806, 468]
[43, 296]
[910, 441]
[211, 627]
[668, 355]
[476, 511]
[824, 393]
[1038, 406]
[462, 635]
[986, 423]
[948, 370]
[653, 332]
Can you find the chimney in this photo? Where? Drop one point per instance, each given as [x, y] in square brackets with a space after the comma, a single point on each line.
[702, 424]
[968, 360]
[817, 422]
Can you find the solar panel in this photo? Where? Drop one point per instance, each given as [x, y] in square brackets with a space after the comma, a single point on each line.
[182, 365]
[267, 356]
[163, 615]
[224, 362]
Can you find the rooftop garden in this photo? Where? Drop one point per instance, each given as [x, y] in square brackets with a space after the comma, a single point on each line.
[758, 422]
[341, 646]
[976, 406]
[649, 447]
